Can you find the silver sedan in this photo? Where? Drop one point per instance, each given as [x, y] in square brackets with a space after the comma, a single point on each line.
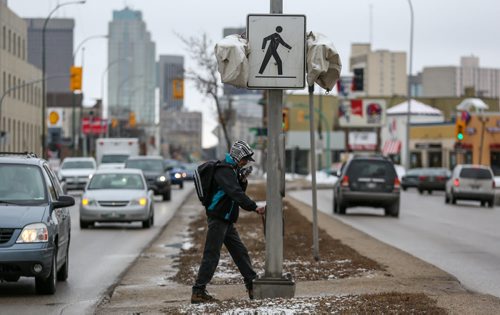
[117, 195]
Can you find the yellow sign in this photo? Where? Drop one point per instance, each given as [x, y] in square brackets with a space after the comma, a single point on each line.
[178, 89]
[53, 118]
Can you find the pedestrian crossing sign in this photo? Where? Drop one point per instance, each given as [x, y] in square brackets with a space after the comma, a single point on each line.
[277, 51]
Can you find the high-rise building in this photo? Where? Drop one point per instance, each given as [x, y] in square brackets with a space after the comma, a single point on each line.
[58, 50]
[378, 73]
[452, 81]
[21, 107]
[58, 60]
[170, 79]
[132, 73]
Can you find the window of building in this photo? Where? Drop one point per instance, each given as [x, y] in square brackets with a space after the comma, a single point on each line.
[9, 40]
[4, 38]
[14, 42]
[4, 82]
[19, 46]
[23, 49]
[23, 95]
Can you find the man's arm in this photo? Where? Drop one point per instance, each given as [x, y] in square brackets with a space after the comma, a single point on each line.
[282, 42]
[228, 180]
[264, 41]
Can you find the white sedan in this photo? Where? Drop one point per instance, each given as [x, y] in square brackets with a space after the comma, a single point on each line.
[117, 195]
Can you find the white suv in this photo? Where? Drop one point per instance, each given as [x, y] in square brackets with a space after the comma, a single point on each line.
[75, 172]
[471, 182]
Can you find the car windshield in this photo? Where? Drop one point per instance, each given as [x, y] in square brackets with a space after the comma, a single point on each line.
[146, 165]
[78, 165]
[116, 181]
[371, 169]
[114, 158]
[21, 184]
[475, 173]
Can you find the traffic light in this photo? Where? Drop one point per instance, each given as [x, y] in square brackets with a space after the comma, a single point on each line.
[75, 82]
[358, 80]
[178, 89]
[286, 119]
[114, 123]
[460, 129]
[131, 120]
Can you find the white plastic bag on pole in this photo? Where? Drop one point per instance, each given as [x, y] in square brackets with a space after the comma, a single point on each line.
[323, 61]
[232, 62]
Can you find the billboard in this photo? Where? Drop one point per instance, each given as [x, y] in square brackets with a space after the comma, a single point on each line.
[362, 113]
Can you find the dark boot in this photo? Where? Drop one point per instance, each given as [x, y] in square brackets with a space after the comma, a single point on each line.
[249, 287]
[202, 296]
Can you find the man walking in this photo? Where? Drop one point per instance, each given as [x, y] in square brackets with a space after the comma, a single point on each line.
[222, 213]
[272, 50]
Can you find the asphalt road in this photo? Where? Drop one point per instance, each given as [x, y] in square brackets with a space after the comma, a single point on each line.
[462, 239]
[97, 258]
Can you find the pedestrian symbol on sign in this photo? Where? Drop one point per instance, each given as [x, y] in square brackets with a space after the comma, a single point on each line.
[272, 50]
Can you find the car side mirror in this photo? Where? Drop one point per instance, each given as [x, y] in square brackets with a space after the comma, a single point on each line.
[64, 201]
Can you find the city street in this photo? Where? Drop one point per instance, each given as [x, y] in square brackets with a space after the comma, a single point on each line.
[461, 239]
[98, 256]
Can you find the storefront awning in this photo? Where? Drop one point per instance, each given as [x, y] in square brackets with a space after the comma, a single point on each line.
[391, 147]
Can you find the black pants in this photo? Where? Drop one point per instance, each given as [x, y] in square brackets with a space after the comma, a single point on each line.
[223, 232]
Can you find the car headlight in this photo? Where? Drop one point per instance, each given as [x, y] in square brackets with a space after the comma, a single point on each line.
[177, 175]
[34, 233]
[139, 202]
[161, 178]
[90, 176]
[184, 175]
[88, 202]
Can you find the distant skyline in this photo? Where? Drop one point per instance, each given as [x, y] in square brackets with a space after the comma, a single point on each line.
[445, 30]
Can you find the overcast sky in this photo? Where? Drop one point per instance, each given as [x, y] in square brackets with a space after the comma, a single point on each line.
[445, 30]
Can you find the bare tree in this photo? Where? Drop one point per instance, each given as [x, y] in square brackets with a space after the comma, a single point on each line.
[206, 76]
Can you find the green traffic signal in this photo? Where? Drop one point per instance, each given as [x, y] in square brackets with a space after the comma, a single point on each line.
[460, 136]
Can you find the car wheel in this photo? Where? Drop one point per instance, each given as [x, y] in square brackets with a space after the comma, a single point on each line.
[167, 195]
[181, 185]
[392, 210]
[430, 192]
[85, 224]
[335, 206]
[446, 198]
[420, 191]
[48, 285]
[491, 203]
[342, 208]
[404, 188]
[483, 203]
[452, 199]
[146, 224]
[62, 274]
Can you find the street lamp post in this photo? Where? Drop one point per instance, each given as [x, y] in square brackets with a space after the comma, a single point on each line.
[44, 94]
[73, 96]
[408, 113]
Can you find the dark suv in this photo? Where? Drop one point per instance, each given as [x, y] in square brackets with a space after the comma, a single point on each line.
[367, 181]
[156, 173]
[35, 224]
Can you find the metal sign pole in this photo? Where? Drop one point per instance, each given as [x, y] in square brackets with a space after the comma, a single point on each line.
[313, 173]
[273, 284]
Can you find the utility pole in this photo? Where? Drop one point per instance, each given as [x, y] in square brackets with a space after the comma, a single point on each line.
[274, 284]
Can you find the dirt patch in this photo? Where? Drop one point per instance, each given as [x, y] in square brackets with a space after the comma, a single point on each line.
[337, 261]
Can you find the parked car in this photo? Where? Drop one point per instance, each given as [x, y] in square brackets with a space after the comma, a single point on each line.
[117, 195]
[433, 178]
[76, 172]
[410, 179]
[471, 182]
[370, 182]
[156, 173]
[35, 223]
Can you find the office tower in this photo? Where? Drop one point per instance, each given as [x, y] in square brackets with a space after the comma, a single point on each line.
[131, 68]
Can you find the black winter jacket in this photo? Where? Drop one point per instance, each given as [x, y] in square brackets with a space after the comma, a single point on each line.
[229, 193]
